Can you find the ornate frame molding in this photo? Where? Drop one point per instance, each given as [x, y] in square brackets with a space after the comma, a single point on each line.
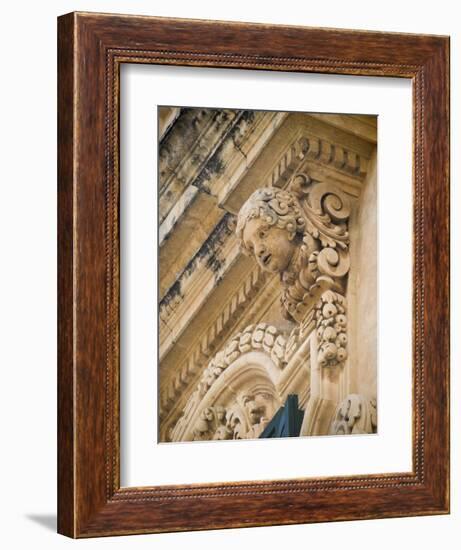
[91, 49]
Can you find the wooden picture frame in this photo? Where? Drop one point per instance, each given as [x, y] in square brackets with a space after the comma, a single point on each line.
[91, 49]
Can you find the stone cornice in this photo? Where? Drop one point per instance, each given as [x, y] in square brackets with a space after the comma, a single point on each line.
[185, 149]
[213, 336]
[362, 126]
[214, 163]
[166, 118]
[198, 199]
[322, 160]
[195, 285]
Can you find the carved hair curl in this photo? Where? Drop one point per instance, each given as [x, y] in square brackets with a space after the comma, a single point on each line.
[275, 207]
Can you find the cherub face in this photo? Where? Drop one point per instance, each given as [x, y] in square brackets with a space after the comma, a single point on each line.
[272, 247]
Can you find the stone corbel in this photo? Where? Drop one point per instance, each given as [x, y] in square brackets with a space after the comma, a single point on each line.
[327, 212]
[324, 259]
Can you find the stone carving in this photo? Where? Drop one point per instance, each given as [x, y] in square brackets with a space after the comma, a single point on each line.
[336, 156]
[355, 415]
[210, 339]
[212, 425]
[244, 418]
[331, 322]
[259, 408]
[312, 148]
[260, 337]
[302, 234]
[254, 337]
[292, 344]
[206, 160]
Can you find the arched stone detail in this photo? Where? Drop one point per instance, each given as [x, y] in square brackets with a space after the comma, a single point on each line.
[237, 393]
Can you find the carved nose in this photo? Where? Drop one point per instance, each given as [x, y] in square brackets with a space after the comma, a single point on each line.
[260, 250]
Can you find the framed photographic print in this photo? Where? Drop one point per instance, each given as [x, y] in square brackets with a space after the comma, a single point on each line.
[253, 275]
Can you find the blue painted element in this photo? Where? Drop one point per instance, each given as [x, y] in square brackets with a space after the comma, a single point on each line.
[286, 421]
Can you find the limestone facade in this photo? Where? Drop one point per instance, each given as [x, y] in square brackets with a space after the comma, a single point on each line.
[267, 272]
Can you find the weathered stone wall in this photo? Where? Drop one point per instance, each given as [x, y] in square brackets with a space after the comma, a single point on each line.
[362, 290]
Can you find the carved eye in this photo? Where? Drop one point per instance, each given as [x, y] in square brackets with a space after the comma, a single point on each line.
[262, 234]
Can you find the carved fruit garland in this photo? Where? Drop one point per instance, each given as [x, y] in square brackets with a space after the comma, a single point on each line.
[331, 324]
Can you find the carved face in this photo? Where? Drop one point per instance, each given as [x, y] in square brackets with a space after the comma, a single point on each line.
[221, 414]
[272, 247]
[222, 433]
[208, 414]
[257, 406]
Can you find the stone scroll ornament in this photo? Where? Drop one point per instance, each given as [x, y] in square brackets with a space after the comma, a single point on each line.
[302, 233]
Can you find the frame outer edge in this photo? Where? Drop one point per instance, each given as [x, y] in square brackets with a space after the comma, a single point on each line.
[437, 174]
[85, 507]
[66, 524]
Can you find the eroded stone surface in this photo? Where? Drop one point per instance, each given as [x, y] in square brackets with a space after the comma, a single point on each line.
[265, 273]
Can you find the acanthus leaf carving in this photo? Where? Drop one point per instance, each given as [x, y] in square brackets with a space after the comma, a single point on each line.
[356, 414]
[244, 418]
